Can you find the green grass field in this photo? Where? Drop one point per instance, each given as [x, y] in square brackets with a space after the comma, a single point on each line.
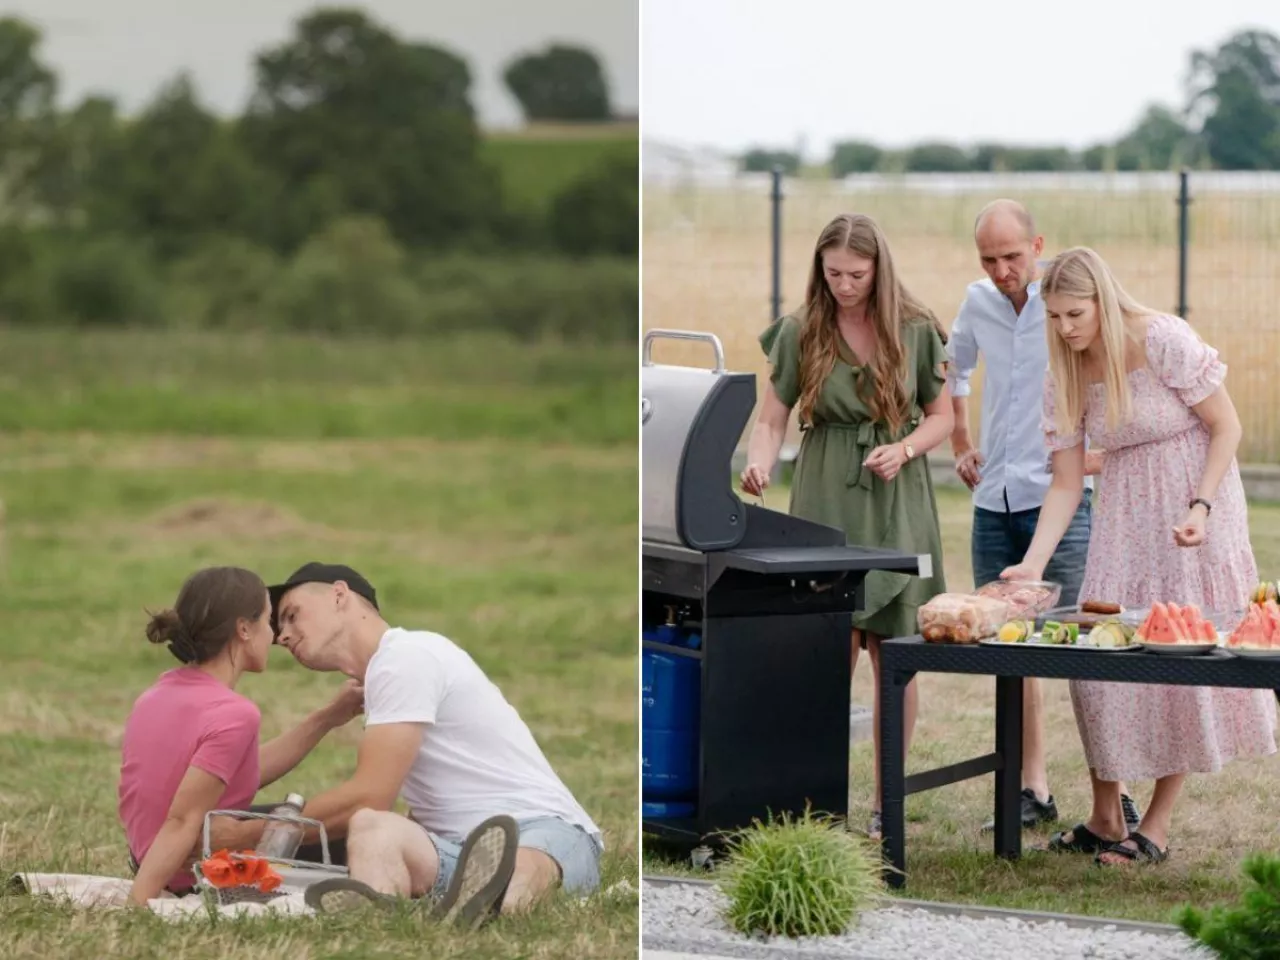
[1218, 821]
[537, 164]
[489, 495]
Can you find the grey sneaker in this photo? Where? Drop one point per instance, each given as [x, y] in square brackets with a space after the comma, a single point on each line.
[337, 894]
[1034, 811]
[474, 895]
[485, 866]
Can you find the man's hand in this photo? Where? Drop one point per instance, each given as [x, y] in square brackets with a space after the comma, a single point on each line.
[968, 460]
[1093, 462]
[346, 706]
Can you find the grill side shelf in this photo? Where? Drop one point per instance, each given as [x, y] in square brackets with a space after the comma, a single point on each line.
[787, 560]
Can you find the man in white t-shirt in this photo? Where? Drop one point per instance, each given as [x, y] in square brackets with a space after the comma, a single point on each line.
[491, 825]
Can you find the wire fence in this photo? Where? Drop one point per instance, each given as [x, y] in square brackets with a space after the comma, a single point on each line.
[712, 238]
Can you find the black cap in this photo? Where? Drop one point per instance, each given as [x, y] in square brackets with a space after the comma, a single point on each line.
[315, 572]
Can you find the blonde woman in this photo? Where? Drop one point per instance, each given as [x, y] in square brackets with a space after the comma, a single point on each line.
[1171, 524]
[864, 363]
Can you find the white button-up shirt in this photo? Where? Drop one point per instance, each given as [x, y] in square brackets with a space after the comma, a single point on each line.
[1012, 443]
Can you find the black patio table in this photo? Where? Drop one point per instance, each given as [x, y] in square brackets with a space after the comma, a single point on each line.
[902, 658]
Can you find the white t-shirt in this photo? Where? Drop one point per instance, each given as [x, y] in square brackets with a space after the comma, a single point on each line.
[478, 758]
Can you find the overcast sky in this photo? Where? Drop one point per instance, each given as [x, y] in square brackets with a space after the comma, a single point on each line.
[129, 47]
[730, 73]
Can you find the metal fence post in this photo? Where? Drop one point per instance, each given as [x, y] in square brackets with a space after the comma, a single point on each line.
[775, 197]
[1184, 203]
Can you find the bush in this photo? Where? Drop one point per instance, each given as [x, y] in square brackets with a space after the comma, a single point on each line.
[599, 213]
[1250, 930]
[533, 297]
[352, 278]
[223, 284]
[349, 279]
[854, 156]
[26, 288]
[106, 281]
[77, 279]
[800, 877]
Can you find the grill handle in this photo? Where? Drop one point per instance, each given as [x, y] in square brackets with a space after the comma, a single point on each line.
[646, 359]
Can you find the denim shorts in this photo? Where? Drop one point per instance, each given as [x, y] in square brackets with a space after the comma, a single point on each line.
[1002, 539]
[575, 851]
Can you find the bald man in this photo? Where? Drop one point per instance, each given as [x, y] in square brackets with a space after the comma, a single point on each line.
[1002, 319]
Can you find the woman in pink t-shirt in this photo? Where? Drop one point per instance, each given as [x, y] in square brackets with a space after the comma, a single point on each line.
[191, 742]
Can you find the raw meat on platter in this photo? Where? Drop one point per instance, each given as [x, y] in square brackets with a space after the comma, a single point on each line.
[1025, 598]
[961, 618]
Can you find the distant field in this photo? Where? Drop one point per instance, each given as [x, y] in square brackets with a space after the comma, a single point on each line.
[538, 162]
[706, 264]
[215, 383]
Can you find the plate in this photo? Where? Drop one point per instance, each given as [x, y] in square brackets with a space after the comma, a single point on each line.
[1251, 654]
[1225, 620]
[1177, 649]
[1038, 645]
[1001, 589]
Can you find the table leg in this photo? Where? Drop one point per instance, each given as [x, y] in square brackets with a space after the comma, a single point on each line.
[893, 685]
[1008, 799]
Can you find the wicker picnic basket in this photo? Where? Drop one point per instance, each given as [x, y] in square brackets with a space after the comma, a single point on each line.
[295, 875]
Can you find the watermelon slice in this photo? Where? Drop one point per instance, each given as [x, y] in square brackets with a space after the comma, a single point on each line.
[1260, 628]
[1251, 631]
[1175, 624]
[1271, 621]
[1161, 625]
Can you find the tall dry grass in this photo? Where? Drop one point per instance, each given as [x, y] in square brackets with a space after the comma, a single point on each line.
[707, 255]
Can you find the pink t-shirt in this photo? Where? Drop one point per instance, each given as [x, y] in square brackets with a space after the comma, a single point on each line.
[186, 718]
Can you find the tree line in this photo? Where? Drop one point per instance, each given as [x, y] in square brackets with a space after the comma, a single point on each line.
[352, 184]
[1230, 121]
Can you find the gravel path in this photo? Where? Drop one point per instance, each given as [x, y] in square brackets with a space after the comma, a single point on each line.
[687, 919]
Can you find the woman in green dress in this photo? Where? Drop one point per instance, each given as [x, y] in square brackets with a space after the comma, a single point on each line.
[863, 363]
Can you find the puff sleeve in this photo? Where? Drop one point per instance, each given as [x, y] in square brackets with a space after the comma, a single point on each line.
[1182, 361]
[931, 361]
[1053, 439]
[781, 344]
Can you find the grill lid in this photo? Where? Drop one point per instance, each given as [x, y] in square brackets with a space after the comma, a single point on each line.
[691, 421]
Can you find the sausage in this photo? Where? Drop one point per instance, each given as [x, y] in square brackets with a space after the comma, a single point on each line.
[1098, 606]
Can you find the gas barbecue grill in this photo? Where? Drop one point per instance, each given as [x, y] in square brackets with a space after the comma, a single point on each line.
[766, 602]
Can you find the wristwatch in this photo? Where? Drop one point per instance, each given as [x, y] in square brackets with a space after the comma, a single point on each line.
[1208, 507]
[911, 451]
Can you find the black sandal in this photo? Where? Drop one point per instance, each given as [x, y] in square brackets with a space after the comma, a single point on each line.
[1146, 852]
[1083, 840]
[1132, 816]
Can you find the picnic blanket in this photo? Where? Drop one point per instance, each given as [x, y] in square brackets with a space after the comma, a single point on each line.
[86, 890]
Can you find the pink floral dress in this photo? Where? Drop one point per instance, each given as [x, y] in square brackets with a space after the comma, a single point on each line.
[1151, 468]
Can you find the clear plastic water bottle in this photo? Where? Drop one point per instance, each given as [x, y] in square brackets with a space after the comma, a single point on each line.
[281, 839]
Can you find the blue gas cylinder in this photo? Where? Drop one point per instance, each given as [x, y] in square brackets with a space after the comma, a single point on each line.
[691, 635]
[670, 696]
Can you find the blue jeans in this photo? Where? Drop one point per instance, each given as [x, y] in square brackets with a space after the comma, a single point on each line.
[1002, 539]
[575, 852]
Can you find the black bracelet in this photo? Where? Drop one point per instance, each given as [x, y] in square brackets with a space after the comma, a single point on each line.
[1208, 507]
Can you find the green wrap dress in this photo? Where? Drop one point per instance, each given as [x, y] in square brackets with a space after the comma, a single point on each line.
[831, 486]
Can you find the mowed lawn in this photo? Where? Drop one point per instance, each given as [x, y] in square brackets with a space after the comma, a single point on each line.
[520, 547]
[1219, 819]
